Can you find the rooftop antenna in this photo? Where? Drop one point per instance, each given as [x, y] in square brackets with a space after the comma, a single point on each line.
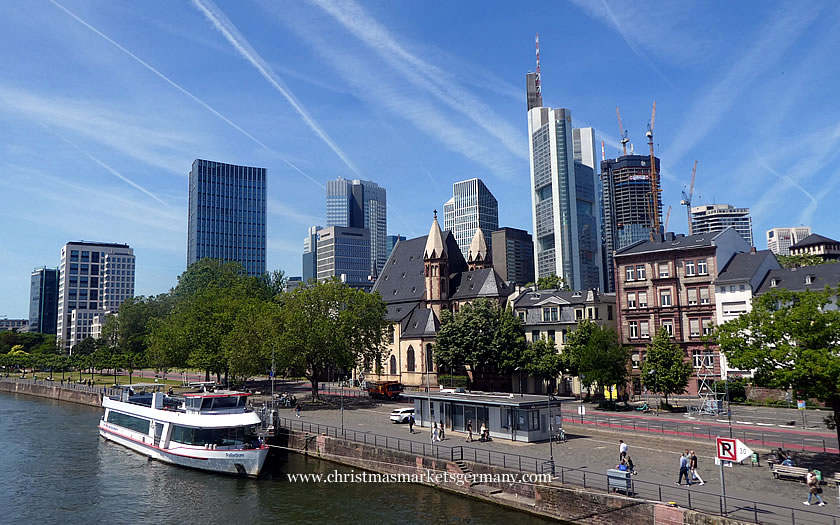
[537, 81]
[603, 152]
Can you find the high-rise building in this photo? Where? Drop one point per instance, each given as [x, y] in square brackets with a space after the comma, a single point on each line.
[588, 199]
[345, 253]
[13, 325]
[43, 300]
[392, 241]
[310, 254]
[710, 218]
[779, 240]
[472, 206]
[513, 255]
[627, 214]
[361, 204]
[227, 206]
[94, 278]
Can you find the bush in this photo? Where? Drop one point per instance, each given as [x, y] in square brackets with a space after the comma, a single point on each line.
[737, 389]
[452, 381]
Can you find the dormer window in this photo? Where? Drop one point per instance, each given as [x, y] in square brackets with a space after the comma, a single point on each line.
[774, 282]
[809, 279]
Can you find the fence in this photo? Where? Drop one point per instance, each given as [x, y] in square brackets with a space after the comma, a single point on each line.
[66, 385]
[693, 499]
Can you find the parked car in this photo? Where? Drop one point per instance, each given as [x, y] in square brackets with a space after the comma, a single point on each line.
[400, 415]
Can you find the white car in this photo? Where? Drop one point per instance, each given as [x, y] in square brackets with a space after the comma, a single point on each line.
[400, 415]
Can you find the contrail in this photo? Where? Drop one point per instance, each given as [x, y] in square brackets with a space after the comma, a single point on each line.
[182, 90]
[107, 167]
[223, 24]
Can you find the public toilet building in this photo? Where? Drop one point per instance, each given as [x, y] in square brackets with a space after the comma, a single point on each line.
[507, 416]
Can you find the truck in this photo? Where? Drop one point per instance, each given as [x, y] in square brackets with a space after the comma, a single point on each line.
[384, 389]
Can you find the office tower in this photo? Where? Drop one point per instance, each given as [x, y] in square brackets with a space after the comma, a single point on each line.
[310, 254]
[472, 206]
[43, 300]
[717, 217]
[513, 255]
[227, 214]
[588, 209]
[94, 278]
[361, 204]
[625, 184]
[14, 325]
[779, 240]
[390, 242]
[345, 253]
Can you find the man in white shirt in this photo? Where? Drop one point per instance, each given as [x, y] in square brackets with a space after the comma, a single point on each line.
[622, 449]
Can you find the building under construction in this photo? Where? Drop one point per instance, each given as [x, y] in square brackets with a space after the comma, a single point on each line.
[628, 207]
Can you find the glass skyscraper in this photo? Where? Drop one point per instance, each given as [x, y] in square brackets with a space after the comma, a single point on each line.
[472, 206]
[43, 300]
[227, 207]
[310, 254]
[361, 204]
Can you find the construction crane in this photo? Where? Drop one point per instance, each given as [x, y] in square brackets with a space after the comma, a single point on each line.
[686, 199]
[667, 218]
[622, 132]
[654, 180]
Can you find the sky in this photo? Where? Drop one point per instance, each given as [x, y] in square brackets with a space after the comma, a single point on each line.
[104, 106]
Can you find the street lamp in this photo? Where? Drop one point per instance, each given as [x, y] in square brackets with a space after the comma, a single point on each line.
[429, 391]
[521, 392]
[550, 433]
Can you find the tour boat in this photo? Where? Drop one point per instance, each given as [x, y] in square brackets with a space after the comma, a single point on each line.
[213, 431]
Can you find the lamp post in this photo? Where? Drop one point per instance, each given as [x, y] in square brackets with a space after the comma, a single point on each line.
[728, 406]
[429, 392]
[550, 434]
[521, 392]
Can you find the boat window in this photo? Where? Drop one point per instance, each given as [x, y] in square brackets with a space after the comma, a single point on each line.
[206, 403]
[225, 402]
[138, 424]
[212, 436]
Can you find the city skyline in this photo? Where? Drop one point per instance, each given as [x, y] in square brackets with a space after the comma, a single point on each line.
[123, 98]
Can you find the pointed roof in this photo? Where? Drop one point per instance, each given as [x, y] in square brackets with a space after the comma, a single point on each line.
[478, 247]
[435, 249]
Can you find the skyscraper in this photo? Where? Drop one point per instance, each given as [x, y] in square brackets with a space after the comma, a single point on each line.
[627, 215]
[43, 300]
[310, 254]
[361, 204]
[472, 206]
[779, 240]
[94, 278]
[513, 255]
[227, 206]
[588, 209]
[345, 253]
[392, 241]
[717, 217]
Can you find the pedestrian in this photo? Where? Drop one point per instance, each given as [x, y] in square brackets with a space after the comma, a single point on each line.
[469, 431]
[441, 432]
[684, 470]
[630, 466]
[622, 465]
[622, 449]
[411, 423]
[297, 410]
[813, 488]
[692, 464]
[435, 432]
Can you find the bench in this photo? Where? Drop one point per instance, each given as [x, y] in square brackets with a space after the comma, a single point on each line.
[783, 471]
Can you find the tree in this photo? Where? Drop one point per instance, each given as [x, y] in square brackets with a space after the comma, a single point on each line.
[665, 369]
[86, 346]
[594, 353]
[254, 334]
[551, 282]
[792, 341]
[542, 360]
[797, 261]
[328, 325]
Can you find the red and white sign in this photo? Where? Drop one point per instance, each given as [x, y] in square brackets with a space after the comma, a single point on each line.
[729, 449]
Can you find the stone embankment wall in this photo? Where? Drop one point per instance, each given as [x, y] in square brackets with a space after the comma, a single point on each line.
[566, 504]
[51, 392]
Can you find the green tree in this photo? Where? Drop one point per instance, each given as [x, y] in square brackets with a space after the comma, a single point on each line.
[665, 369]
[552, 282]
[797, 261]
[86, 346]
[328, 325]
[254, 334]
[542, 360]
[594, 353]
[792, 341]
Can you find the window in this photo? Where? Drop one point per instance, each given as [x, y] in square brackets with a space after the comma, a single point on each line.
[642, 299]
[773, 282]
[550, 313]
[551, 335]
[628, 273]
[808, 279]
[590, 314]
[136, 424]
[634, 329]
[701, 267]
[223, 437]
[579, 314]
[694, 327]
[704, 295]
[703, 358]
[664, 271]
[533, 420]
[668, 326]
[635, 359]
[732, 288]
[735, 308]
[521, 316]
[707, 326]
[692, 295]
[609, 313]
[665, 297]
[644, 330]
[393, 366]
[743, 287]
[723, 289]
[631, 300]
[689, 268]
[391, 335]
[409, 359]
[535, 335]
[640, 272]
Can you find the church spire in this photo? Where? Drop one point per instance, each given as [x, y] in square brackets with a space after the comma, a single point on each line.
[478, 257]
[435, 248]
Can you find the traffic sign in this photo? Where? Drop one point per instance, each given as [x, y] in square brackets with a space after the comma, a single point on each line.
[729, 449]
[800, 405]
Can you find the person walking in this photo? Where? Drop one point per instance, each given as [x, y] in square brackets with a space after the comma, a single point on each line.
[435, 432]
[297, 410]
[692, 464]
[622, 449]
[813, 488]
[411, 423]
[469, 431]
[684, 470]
[440, 435]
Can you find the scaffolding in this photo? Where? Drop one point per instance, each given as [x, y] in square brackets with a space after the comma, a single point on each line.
[711, 401]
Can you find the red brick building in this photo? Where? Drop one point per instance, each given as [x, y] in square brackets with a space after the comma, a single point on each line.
[668, 284]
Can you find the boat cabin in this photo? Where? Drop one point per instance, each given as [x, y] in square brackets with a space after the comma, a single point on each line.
[218, 402]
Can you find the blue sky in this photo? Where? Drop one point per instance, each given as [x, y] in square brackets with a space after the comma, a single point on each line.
[104, 106]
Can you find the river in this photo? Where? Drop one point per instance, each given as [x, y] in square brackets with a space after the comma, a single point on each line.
[55, 468]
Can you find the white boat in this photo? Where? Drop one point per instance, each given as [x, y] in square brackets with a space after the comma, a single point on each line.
[213, 431]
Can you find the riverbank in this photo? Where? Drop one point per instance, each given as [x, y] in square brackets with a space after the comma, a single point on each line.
[70, 392]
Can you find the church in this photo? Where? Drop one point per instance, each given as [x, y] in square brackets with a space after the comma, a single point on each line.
[424, 276]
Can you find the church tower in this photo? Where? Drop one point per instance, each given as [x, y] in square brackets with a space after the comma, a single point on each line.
[436, 264]
[478, 257]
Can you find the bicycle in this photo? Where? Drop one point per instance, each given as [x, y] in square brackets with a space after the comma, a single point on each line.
[560, 436]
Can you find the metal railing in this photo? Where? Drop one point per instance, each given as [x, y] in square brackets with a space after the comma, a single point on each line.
[692, 499]
[65, 385]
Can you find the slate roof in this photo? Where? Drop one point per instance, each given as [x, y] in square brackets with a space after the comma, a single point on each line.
[814, 239]
[548, 297]
[479, 283]
[742, 266]
[793, 279]
[422, 323]
[672, 242]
